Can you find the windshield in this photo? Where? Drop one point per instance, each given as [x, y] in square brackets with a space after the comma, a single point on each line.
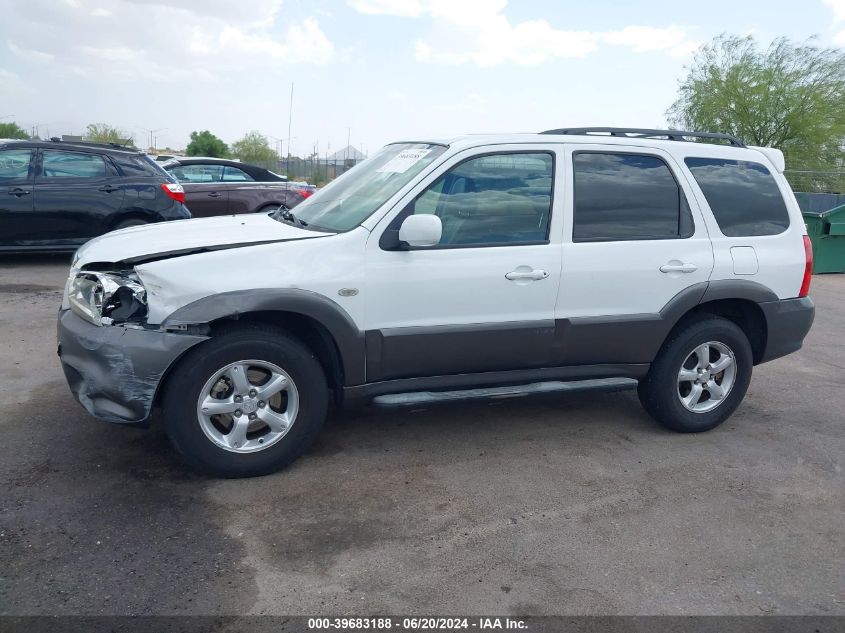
[350, 199]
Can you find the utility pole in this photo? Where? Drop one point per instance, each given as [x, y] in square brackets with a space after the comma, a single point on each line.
[151, 133]
[282, 146]
[279, 145]
[36, 130]
[290, 118]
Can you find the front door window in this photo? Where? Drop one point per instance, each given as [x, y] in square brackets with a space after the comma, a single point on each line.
[492, 200]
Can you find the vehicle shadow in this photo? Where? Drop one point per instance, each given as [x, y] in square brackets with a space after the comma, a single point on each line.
[35, 259]
[446, 430]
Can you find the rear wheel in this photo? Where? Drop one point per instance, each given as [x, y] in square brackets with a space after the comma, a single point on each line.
[127, 223]
[700, 375]
[245, 403]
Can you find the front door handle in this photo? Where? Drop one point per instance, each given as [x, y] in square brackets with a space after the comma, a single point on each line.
[678, 267]
[108, 188]
[18, 192]
[530, 274]
[214, 194]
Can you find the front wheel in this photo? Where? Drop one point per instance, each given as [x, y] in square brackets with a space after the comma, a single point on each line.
[247, 402]
[700, 375]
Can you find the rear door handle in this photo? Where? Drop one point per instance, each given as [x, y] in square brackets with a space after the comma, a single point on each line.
[18, 192]
[678, 268]
[535, 275]
[214, 194]
[108, 188]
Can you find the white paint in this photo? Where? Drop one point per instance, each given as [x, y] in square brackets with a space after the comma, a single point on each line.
[619, 278]
[780, 257]
[321, 265]
[462, 285]
[148, 239]
[745, 260]
[421, 230]
[458, 285]
[774, 155]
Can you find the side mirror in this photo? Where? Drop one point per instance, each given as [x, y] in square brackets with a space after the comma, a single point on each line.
[421, 230]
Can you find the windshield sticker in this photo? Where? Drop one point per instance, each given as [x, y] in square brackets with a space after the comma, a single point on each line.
[403, 161]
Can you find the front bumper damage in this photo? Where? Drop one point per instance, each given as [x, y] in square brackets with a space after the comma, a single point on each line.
[114, 371]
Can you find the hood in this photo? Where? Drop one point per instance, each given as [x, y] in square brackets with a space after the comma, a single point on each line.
[136, 244]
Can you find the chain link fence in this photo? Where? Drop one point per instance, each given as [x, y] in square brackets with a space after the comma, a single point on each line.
[816, 181]
[315, 171]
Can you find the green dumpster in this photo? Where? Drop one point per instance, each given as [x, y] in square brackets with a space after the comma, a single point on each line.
[827, 233]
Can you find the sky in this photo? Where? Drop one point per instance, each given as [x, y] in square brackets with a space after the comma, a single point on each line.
[371, 71]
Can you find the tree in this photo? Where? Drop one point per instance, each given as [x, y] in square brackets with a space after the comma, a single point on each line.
[12, 130]
[789, 96]
[206, 144]
[254, 148]
[105, 133]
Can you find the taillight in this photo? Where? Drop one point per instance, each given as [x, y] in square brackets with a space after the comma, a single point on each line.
[305, 193]
[808, 267]
[174, 191]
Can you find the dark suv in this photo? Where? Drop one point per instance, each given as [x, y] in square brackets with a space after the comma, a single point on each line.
[55, 196]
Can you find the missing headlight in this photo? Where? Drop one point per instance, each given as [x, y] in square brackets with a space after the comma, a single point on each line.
[108, 298]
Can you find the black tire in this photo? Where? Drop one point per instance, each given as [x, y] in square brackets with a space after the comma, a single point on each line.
[249, 341]
[658, 391]
[127, 223]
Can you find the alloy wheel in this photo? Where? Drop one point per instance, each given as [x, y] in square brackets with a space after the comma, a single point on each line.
[247, 406]
[706, 377]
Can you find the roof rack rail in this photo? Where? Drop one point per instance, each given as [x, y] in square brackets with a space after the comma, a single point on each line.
[671, 135]
[124, 146]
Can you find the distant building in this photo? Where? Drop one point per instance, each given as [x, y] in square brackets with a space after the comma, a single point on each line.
[347, 153]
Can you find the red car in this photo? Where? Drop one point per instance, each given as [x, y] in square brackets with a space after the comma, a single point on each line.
[215, 186]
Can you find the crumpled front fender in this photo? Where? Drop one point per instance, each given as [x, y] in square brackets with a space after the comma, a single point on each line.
[114, 371]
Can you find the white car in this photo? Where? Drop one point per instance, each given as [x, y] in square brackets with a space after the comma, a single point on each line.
[467, 263]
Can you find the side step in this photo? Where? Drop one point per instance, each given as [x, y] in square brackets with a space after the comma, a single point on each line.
[552, 386]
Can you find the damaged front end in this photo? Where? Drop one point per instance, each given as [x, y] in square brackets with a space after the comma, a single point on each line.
[113, 361]
[108, 298]
[114, 344]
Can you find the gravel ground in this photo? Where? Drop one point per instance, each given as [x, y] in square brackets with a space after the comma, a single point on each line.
[572, 503]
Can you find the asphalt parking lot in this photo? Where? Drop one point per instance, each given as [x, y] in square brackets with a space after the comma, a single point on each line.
[562, 504]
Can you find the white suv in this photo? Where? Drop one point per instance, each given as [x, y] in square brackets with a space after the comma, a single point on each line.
[472, 262]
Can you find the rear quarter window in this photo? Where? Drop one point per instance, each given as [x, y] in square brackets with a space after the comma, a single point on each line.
[139, 167]
[743, 196]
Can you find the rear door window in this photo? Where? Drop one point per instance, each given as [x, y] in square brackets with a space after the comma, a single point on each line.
[197, 173]
[743, 195]
[622, 196]
[233, 174]
[57, 164]
[14, 164]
